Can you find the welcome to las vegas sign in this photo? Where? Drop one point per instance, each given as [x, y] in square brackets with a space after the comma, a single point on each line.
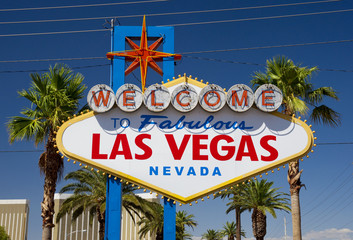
[186, 153]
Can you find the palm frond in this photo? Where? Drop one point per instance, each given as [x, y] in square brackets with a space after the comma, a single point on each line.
[325, 115]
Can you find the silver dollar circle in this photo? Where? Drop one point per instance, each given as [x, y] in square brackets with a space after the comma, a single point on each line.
[156, 98]
[212, 98]
[268, 97]
[101, 98]
[240, 98]
[129, 97]
[184, 98]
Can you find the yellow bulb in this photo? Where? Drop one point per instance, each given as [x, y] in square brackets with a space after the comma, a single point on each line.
[74, 162]
[190, 204]
[180, 204]
[208, 197]
[196, 202]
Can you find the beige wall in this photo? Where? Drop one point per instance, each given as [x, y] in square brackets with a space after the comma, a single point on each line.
[82, 230]
[14, 218]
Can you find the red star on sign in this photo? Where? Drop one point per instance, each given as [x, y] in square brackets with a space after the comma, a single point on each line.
[143, 55]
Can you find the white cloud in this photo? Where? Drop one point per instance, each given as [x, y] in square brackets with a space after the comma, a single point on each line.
[330, 234]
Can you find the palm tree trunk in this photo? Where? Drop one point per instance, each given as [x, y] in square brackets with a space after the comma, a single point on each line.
[238, 223]
[101, 220]
[295, 186]
[159, 235]
[50, 163]
[258, 224]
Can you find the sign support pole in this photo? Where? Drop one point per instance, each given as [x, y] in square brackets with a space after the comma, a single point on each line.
[169, 229]
[114, 187]
[113, 210]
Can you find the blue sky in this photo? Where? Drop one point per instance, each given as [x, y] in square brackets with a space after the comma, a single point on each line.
[326, 202]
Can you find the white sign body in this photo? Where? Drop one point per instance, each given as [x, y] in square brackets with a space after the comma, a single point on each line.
[184, 156]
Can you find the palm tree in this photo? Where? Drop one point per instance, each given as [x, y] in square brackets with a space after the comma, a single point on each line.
[261, 198]
[89, 192]
[298, 94]
[234, 194]
[182, 219]
[212, 234]
[54, 97]
[152, 223]
[230, 230]
[3, 234]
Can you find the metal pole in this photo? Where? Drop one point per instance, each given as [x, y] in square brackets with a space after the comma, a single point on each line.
[169, 229]
[114, 186]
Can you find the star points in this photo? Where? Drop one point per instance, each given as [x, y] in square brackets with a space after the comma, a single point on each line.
[143, 56]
